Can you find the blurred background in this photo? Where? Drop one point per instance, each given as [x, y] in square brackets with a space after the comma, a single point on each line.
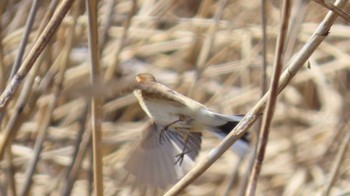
[209, 50]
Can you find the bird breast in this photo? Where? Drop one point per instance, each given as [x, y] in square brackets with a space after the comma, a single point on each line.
[161, 112]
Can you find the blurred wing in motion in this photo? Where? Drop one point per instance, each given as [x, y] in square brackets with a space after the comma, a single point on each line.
[152, 162]
[103, 89]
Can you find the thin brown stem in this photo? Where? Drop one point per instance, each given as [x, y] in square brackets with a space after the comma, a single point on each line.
[337, 162]
[2, 65]
[296, 21]
[96, 103]
[263, 85]
[271, 102]
[81, 146]
[207, 45]
[233, 177]
[10, 172]
[210, 38]
[116, 57]
[106, 23]
[22, 45]
[264, 48]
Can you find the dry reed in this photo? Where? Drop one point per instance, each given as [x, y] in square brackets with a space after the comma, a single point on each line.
[210, 50]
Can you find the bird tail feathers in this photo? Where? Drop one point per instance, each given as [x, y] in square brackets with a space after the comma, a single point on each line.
[241, 146]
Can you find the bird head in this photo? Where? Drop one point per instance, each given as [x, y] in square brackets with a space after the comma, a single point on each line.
[145, 77]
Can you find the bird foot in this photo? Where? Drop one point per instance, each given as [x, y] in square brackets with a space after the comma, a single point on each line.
[181, 157]
[165, 128]
[161, 134]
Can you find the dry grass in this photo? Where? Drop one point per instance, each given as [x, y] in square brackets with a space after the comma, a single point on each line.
[208, 50]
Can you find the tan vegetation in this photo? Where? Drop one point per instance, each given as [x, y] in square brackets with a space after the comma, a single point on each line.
[209, 50]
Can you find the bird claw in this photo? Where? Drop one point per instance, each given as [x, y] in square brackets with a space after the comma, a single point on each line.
[161, 134]
[181, 157]
[165, 128]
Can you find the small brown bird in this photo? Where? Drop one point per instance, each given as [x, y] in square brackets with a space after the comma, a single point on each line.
[175, 132]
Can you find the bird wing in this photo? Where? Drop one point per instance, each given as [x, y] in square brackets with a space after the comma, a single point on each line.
[152, 161]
